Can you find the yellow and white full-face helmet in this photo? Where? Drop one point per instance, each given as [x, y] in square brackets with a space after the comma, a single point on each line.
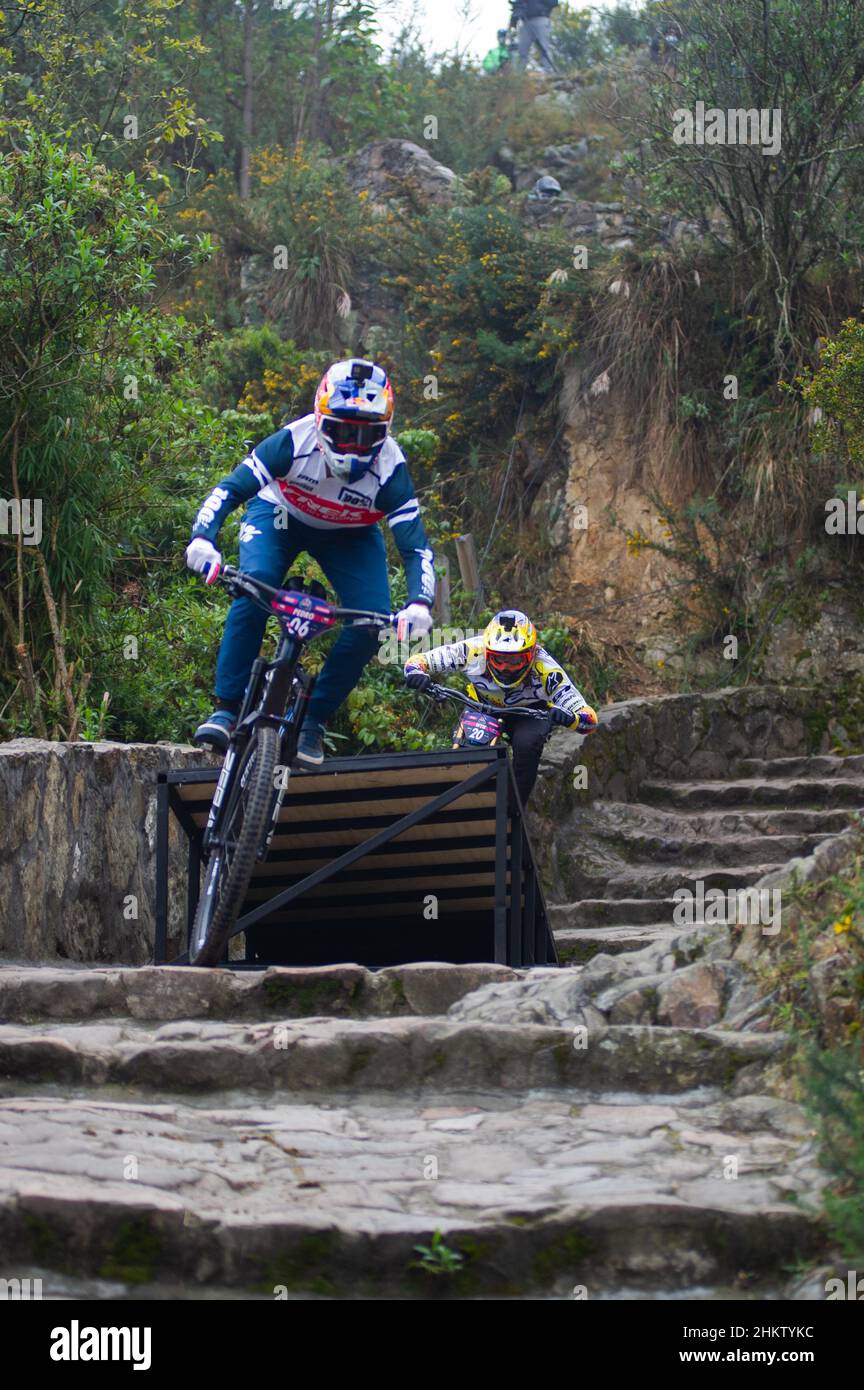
[511, 646]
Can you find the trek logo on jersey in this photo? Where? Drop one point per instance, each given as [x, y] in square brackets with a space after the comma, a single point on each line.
[328, 510]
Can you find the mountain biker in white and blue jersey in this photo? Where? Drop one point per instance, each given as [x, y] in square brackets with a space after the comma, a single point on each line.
[320, 484]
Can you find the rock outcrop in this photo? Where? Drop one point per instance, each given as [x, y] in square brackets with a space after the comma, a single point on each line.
[386, 169]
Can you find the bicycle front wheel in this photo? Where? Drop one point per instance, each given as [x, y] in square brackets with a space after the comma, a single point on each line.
[232, 860]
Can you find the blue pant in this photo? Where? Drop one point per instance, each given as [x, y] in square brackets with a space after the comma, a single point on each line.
[355, 564]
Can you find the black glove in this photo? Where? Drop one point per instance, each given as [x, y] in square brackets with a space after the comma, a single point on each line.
[418, 680]
[560, 716]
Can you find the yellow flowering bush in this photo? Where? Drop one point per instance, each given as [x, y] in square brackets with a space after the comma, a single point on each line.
[258, 372]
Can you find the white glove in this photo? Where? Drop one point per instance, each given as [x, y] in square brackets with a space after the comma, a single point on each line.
[413, 621]
[201, 556]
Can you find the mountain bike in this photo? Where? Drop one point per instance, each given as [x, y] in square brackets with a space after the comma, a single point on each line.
[254, 776]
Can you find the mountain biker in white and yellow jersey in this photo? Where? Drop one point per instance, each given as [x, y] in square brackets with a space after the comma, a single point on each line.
[507, 667]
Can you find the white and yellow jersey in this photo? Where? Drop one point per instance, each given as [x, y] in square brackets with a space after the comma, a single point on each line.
[546, 683]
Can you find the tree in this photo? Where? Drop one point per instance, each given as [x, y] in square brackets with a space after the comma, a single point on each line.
[83, 402]
[115, 77]
[776, 203]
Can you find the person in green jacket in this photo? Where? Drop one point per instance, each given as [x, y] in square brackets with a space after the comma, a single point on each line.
[498, 57]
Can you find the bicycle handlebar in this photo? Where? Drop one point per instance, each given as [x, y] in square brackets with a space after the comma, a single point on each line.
[441, 693]
[263, 594]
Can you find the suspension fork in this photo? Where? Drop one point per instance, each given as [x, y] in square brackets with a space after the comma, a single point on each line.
[266, 695]
[286, 673]
[233, 753]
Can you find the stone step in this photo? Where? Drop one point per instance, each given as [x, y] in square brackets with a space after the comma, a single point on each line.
[393, 1055]
[821, 766]
[817, 822]
[166, 993]
[612, 912]
[662, 882]
[640, 846]
[577, 945]
[745, 792]
[534, 1192]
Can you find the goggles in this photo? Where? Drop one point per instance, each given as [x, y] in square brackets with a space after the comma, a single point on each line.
[509, 667]
[353, 436]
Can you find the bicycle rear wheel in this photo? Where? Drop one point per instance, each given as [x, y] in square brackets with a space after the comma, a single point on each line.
[229, 868]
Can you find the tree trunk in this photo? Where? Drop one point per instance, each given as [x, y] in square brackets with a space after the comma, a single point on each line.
[245, 182]
[25, 669]
[19, 543]
[59, 646]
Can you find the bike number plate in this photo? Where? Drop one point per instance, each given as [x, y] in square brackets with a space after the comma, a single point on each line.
[301, 615]
[477, 730]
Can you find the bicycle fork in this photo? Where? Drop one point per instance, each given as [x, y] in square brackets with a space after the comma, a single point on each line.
[291, 727]
[235, 749]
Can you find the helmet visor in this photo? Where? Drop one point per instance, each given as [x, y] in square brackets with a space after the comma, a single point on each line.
[509, 668]
[353, 436]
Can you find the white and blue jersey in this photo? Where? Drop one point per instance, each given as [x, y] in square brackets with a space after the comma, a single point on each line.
[288, 470]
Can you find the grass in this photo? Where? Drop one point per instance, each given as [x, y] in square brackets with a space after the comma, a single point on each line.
[437, 1258]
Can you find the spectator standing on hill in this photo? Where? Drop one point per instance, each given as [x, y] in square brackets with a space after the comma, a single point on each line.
[499, 56]
[665, 45]
[535, 27]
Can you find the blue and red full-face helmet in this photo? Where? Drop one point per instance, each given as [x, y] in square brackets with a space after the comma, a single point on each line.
[353, 414]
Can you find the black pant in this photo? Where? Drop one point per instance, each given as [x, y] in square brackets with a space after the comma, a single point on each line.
[527, 737]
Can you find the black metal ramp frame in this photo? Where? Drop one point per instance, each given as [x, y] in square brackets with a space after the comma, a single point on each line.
[379, 860]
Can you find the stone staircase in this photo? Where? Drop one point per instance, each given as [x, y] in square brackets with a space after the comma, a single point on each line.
[192, 1133]
[725, 833]
[307, 1129]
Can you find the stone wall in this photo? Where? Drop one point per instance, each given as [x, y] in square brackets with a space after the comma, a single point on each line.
[78, 848]
[681, 736]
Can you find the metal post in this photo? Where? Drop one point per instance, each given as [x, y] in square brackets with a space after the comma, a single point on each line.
[193, 883]
[160, 935]
[501, 790]
[536, 944]
[517, 834]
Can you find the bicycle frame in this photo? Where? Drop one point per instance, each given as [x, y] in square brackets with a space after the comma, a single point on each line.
[266, 701]
[272, 684]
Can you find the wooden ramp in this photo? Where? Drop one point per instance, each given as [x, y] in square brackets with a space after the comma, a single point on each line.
[380, 860]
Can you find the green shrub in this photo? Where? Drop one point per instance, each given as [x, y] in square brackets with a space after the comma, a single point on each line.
[837, 388]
